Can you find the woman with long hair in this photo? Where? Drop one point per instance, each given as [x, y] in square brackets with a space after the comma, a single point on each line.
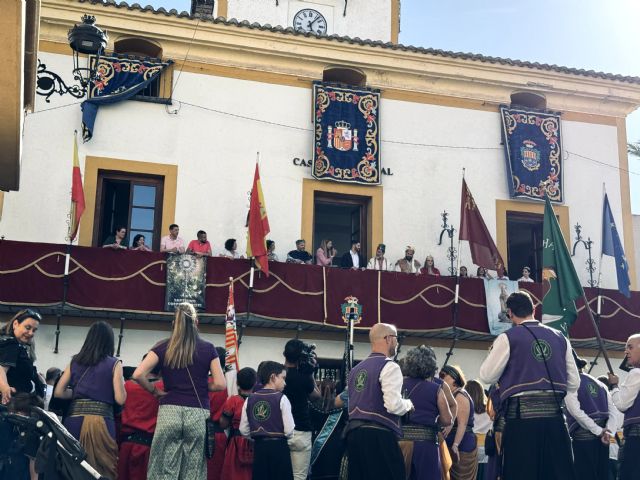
[138, 244]
[96, 384]
[429, 267]
[482, 423]
[20, 386]
[325, 254]
[185, 360]
[461, 440]
[420, 444]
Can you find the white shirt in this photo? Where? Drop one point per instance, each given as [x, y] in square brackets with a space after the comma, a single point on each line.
[355, 258]
[391, 381]
[584, 420]
[47, 396]
[625, 395]
[287, 418]
[374, 264]
[493, 366]
[524, 279]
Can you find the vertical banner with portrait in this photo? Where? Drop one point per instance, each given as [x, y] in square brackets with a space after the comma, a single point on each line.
[186, 281]
[497, 291]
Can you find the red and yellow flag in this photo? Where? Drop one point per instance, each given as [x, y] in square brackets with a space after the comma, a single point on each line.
[258, 226]
[77, 194]
[231, 345]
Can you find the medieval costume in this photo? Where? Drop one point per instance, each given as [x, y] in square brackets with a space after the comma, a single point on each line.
[466, 467]
[627, 399]
[238, 460]
[215, 463]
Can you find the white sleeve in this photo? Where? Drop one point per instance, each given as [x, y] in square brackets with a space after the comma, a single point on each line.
[391, 382]
[625, 395]
[614, 414]
[287, 417]
[495, 363]
[573, 407]
[245, 430]
[573, 376]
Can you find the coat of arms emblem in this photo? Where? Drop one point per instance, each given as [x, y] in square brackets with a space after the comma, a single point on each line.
[351, 310]
[342, 137]
[530, 155]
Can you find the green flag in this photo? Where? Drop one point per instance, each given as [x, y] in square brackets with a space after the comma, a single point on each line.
[560, 283]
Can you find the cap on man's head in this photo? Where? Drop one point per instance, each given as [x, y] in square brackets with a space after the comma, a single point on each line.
[409, 247]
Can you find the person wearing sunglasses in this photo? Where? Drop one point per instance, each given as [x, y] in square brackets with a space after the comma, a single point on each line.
[375, 408]
[20, 386]
[534, 366]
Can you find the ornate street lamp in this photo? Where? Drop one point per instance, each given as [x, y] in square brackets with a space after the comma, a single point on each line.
[87, 39]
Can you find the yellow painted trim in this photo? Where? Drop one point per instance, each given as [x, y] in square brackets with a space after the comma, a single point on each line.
[504, 206]
[223, 8]
[589, 118]
[1, 203]
[625, 201]
[374, 212]
[91, 167]
[395, 20]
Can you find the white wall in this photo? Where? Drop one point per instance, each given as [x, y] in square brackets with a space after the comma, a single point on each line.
[215, 153]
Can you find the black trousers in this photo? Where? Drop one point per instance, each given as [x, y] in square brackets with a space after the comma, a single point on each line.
[374, 454]
[272, 460]
[537, 449]
[591, 459]
[630, 464]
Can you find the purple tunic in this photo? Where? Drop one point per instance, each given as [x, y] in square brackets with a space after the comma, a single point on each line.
[526, 369]
[177, 384]
[264, 414]
[469, 440]
[92, 383]
[365, 394]
[425, 462]
[593, 401]
[632, 415]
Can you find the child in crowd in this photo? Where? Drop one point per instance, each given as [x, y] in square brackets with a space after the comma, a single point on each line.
[238, 462]
[266, 417]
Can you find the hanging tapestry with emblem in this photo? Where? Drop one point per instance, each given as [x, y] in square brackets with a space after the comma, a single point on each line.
[346, 134]
[186, 281]
[533, 152]
[118, 78]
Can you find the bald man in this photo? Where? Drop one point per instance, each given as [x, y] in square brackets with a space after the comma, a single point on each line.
[626, 398]
[375, 408]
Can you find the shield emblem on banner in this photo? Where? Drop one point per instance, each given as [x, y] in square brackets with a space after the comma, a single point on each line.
[351, 310]
[530, 155]
[342, 136]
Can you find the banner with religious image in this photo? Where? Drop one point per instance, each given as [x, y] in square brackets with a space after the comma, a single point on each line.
[347, 134]
[497, 291]
[533, 151]
[186, 281]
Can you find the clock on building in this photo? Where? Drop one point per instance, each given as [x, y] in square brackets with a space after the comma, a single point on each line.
[309, 20]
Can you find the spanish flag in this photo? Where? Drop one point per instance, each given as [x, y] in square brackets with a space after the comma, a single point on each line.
[258, 226]
[77, 194]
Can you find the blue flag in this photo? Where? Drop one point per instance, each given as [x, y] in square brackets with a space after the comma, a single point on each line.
[612, 246]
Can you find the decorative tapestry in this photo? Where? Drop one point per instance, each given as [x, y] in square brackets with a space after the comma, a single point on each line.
[347, 134]
[186, 281]
[118, 78]
[533, 153]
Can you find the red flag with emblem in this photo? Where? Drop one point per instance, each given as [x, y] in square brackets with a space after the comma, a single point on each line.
[231, 345]
[258, 226]
[77, 194]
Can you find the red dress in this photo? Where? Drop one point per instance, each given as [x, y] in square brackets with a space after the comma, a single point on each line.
[139, 417]
[214, 465]
[238, 464]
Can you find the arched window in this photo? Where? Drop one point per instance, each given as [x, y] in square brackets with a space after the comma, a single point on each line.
[344, 75]
[138, 47]
[529, 99]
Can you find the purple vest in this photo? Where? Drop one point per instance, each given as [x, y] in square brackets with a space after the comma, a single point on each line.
[593, 401]
[632, 415]
[525, 370]
[94, 383]
[264, 414]
[469, 440]
[424, 395]
[365, 394]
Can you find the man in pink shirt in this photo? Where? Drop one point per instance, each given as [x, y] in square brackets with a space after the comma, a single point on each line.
[200, 247]
[172, 243]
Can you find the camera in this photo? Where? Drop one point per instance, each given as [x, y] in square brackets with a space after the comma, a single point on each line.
[307, 362]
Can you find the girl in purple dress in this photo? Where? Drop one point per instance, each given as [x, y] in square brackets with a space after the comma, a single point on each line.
[431, 412]
[96, 385]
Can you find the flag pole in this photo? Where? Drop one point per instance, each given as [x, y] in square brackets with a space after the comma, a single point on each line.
[599, 297]
[455, 300]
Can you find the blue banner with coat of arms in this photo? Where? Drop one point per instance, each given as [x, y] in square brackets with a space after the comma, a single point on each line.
[347, 134]
[533, 151]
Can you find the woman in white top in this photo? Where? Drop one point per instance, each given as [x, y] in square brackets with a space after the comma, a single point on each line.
[230, 249]
[526, 271]
[379, 262]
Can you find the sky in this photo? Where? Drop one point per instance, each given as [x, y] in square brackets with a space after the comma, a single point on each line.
[599, 35]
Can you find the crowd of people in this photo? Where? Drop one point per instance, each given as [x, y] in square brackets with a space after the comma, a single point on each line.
[326, 255]
[541, 417]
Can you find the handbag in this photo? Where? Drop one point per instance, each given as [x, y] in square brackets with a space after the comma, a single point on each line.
[490, 444]
[209, 426]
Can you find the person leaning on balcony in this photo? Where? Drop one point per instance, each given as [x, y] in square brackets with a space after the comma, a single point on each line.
[299, 255]
[20, 387]
[408, 264]
[231, 249]
[325, 254]
[200, 247]
[379, 262]
[429, 267]
[271, 251]
[118, 240]
[185, 360]
[138, 244]
[172, 243]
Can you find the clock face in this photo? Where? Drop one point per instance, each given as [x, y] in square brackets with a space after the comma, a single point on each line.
[309, 20]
